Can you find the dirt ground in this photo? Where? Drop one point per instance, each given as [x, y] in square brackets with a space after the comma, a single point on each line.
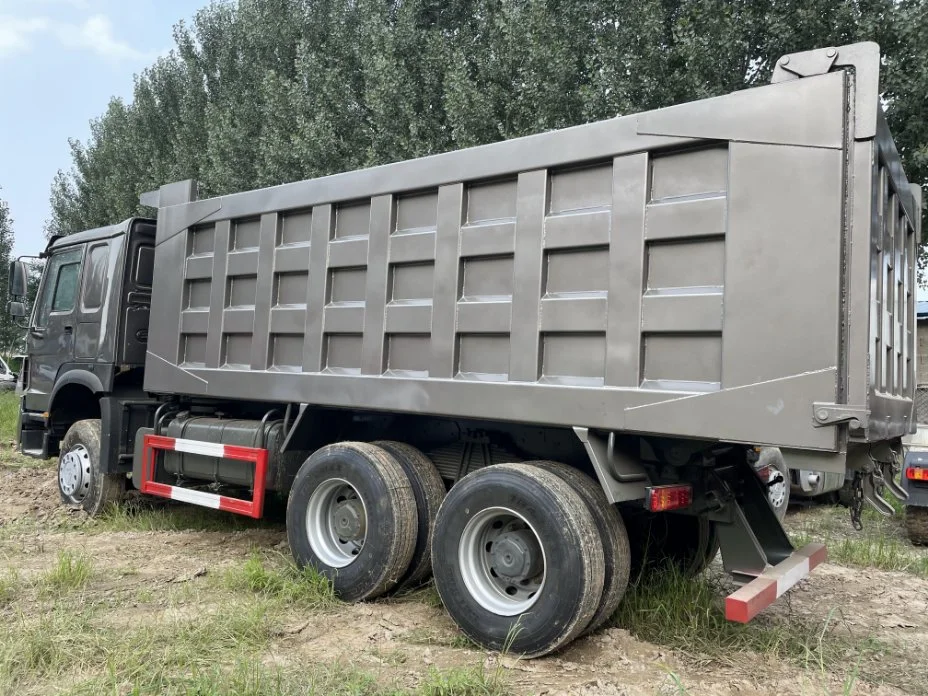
[401, 639]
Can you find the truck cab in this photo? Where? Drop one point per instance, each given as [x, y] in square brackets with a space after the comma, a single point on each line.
[87, 331]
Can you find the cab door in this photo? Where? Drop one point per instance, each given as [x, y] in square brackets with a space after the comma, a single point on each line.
[50, 340]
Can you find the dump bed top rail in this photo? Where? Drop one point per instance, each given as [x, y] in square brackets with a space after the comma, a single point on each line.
[738, 268]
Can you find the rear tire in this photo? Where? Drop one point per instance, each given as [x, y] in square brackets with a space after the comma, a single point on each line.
[81, 482]
[916, 524]
[616, 553]
[539, 533]
[686, 543]
[351, 515]
[429, 491]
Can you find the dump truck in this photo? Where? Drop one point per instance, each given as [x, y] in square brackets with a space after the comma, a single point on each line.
[527, 369]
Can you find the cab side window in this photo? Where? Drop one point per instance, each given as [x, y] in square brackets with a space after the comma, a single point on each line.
[59, 288]
[95, 277]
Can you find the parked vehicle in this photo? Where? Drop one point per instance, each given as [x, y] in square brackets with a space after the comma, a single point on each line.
[772, 469]
[7, 377]
[584, 334]
[915, 482]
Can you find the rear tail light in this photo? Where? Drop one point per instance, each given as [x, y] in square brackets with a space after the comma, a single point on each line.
[673, 497]
[916, 473]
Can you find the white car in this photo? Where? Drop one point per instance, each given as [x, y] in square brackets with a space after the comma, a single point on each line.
[7, 377]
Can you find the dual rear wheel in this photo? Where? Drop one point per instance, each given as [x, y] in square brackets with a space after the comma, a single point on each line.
[526, 557]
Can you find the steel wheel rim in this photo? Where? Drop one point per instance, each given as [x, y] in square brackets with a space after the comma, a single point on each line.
[336, 523]
[502, 561]
[75, 473]
[776, 492]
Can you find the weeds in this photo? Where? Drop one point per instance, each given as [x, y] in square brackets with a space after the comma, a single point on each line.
[882, 544]
[284, 583]
[62, 642]
[71, 571]
[463, 681]
[157, 516]
[9, 586]
[9, 414]
[671, 609]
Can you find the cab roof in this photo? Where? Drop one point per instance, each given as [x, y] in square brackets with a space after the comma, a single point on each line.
[108, 232]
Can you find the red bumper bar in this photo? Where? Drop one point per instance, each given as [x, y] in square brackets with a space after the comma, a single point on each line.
[747, 602]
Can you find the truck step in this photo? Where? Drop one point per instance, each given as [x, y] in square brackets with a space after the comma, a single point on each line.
[250, 508]
[37, 453]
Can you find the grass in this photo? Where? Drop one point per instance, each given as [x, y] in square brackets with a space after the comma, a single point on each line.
[280, 580]
[64, 644]
[9, 586]
[685, 613]
[9, 454]
[881, 544]
[9, 413]
[189, 651]
[71, 571]
[463, 681]
[144, 515]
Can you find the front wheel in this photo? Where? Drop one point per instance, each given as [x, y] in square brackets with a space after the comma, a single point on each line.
[81, 481]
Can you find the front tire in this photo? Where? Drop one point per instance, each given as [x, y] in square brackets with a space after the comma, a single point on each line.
[351, 515]
[517, 559]
[81, 481]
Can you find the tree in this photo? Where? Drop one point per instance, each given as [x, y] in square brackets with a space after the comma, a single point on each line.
[261, 92]
[11, 335]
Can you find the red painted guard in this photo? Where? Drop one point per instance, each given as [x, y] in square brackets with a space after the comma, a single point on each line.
[250, 508]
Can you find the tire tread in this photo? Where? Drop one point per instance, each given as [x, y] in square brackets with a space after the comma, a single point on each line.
[616, 553]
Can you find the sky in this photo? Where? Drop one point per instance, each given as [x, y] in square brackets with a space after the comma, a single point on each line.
[60, 62]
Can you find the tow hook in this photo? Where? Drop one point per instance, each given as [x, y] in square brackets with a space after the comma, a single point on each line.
[871, 482]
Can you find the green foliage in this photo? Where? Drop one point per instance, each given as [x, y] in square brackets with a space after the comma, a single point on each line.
[71, 571]
[282, 581]
[261, 92]
[10, 334]
[670, 609]
[9, 414]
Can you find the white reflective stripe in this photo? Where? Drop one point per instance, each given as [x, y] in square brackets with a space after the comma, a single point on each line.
[185, 495]
[210, 449]
[792, 576]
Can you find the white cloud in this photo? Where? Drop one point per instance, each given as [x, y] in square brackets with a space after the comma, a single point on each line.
[16, 34]
[76, 4]
[96, 34]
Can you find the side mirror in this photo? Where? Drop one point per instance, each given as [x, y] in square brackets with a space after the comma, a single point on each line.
[17, 310]
[18, 280]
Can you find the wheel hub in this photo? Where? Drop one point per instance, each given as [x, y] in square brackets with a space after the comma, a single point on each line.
[502, 561]
[776, 491]
[336, 522]
[74, 473]
[349, 522]
[514, 555]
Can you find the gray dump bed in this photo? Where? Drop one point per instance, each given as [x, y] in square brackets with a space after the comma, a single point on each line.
[738, 268]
